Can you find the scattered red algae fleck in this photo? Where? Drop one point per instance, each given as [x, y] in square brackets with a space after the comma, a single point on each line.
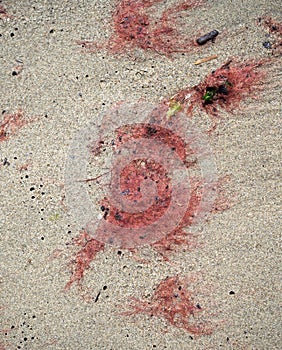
[133, 28]
[173, 302]
[11, 124]
[224, 88]
[275, 28]
[272, 25]
[223, 201]
[24, 166]
[3, 12]
[18, 69]
[90, 247]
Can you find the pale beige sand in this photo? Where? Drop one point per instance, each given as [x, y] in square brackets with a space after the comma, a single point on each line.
[65, 89]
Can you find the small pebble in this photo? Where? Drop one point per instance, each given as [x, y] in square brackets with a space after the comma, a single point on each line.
[209, 36]
[267, 45]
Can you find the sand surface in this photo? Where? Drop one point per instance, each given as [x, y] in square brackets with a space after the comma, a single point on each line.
[60, 90]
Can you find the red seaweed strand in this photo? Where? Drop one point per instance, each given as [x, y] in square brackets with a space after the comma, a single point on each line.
[173, 302]
[179, 237]
[90, 247]
[223, 89]
[133, 28]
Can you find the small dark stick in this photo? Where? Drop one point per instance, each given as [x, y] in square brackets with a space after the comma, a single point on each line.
[97, 297]
[209, 36]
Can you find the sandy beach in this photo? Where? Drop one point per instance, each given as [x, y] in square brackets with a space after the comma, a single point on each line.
[57, 290]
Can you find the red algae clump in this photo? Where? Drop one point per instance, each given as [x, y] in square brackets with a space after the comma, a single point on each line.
[90, 247]
[224, 88]
[173, 302]
[140, 170]
[137, 171]
[159, 187]
[133, 28]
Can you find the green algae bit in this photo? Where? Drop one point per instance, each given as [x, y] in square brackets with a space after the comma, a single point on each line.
[209, 94]
[54, 217]
[174, 107]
